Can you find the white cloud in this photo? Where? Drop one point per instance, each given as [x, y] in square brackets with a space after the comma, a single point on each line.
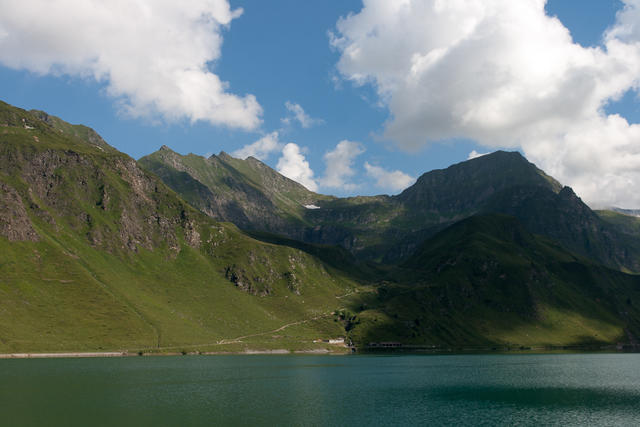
[339, 165]
[388, 180]
[293, 165]
[261, 149]
[474, 155]
[505, 74]
[153, 55]
[298, 113]
[627, 28]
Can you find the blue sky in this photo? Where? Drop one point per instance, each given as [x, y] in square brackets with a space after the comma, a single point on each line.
[281, 51]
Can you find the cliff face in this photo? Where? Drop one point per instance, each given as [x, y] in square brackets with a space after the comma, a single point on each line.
[103, 195]
[15, 224]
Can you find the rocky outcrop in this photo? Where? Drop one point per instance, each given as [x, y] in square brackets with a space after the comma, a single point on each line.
[15, 224]
[116, 204]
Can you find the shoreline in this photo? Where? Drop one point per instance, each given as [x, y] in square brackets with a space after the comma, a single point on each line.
[66, 355]
[317, 352]
[98, 354]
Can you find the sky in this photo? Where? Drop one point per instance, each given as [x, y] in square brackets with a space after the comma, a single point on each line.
[346, 97]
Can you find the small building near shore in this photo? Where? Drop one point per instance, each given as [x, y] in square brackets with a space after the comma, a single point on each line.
[337, 341]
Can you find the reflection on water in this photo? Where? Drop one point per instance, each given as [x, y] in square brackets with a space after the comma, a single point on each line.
[323, 390]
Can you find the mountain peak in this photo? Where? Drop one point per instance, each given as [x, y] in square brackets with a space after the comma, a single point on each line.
[467, 184]
[504, 154]
[255, 161]
[224, 156]
[499, 155]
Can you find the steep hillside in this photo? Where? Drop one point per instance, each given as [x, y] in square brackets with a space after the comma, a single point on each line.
[96, 253]
[566, 219]
[246, 192]
[487, 281]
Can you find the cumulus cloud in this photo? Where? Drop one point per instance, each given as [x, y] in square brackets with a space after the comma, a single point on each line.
[339, 165]
[298, 114]
[261, 149]
[505, 74]
[388, 180]
[627, 28]
[295, 166]
[153, 55]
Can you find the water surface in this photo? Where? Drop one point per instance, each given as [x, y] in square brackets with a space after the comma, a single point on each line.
[593, 389]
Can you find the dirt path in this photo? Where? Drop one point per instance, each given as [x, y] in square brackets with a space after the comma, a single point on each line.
[239, 339]
[281, 328]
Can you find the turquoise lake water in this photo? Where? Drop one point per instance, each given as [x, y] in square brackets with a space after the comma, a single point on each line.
[568, 389]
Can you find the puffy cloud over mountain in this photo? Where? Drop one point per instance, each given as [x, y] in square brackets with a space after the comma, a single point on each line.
[507, 75]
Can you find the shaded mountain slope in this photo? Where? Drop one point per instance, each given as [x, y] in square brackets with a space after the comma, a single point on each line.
[487, 281]
[465, 186]
[625, 223]
[565, 218]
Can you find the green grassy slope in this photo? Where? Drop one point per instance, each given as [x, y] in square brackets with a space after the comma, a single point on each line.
[97, 254]
[487, 281]
[64, 295]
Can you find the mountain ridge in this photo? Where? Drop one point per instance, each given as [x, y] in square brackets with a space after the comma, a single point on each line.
[98, 253]
[388, 228]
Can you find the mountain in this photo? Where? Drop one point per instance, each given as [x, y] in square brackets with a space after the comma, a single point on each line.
[626, 222]
[97, 253]
[254, 196]
[488, 280]
[100, 252]
[628, 212]
[465, 186]
[246, 192]
[389, 228]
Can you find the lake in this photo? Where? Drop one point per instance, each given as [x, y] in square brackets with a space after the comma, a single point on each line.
[553, 389]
